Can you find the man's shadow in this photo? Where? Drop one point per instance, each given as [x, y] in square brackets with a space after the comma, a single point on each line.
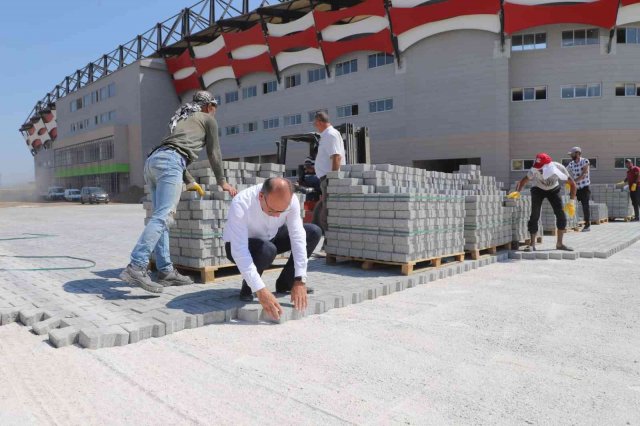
[105, 286]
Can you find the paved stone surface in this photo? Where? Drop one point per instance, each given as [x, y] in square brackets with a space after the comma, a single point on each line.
[98, 310]
[603, 241]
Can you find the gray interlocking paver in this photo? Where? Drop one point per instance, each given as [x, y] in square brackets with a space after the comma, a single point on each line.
[95, 305]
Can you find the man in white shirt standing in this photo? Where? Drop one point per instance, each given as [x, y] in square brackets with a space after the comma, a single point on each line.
[579, 168]
[329, 158]
[264, 220]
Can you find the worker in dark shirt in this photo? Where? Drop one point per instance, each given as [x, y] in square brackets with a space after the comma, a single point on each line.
[633, 181]
[310, 180]
[192, 127]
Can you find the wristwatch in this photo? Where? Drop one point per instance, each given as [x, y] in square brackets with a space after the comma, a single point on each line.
[303, 279]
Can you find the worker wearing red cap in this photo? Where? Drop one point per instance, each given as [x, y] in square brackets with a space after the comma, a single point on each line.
[546, 175]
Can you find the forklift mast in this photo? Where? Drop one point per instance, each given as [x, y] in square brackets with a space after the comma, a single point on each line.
[357, 145]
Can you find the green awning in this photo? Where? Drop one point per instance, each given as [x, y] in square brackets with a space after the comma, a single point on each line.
[98, 169]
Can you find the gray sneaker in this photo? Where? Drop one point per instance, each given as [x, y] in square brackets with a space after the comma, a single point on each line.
[141, 278]
[173, 278]
[586, 229]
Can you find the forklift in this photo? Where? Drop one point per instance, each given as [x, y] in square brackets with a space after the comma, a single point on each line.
[356, 147]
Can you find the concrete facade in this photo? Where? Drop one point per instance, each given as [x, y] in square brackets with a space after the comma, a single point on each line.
[143, 99]
[451, 100]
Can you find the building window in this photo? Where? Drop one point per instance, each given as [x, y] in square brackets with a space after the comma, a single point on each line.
[292, 81]
[292, 120]
[347, 110]
[573, 91]
[76, 104]
[347, 67]
[381, 105]
[249, 92]
[269, 86]
[88, 152]
[218, 99]
[537, 93]
[112, 89]
[528, 42]
[232, 130]
[628, 35]
[628, 89]
[231, 97]
[593, 162]
[521, 165]
[104, 93]
[312, 114]
[317, 75]
[619, 162]
[107, 117]
[580, 37]
[271, 123]
[250, 127]
[380, 59]
[86, 100]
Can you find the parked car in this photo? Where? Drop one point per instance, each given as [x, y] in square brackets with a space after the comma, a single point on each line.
[55, 193]
[72, 194]
[93, 194]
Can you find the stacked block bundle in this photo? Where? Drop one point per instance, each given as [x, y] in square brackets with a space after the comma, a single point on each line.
[520, 213]
[196, 234]
[617, 200]
[598, 211]
[395, 214]
[548, 218]
[487, 223]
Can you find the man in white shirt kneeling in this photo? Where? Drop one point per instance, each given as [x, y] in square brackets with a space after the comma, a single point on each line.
[263, 221]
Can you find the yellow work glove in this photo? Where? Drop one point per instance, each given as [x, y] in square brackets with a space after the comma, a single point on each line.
[634, 187]
[620, 183]
[514, 195]
[193, 186]
[567, 187]
[570, 208]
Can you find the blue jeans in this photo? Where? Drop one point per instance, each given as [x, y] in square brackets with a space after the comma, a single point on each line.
[163, 173]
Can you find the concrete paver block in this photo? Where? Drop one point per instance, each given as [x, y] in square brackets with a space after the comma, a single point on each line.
[31, 316]
[103, 337]
[66, 336]
[44, 327]
[143, 329]
[250, 313]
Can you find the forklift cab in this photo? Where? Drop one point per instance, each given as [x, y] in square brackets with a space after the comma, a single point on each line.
[356, 145]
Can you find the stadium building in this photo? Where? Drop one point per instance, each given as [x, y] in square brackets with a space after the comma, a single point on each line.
[438, 83]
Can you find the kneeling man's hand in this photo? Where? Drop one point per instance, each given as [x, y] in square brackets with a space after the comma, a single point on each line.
[299, 295]
[269, 303]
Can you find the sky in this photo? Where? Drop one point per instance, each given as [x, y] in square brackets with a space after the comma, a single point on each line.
[41, 42]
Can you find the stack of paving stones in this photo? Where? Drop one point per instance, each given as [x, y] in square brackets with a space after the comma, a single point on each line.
[487, 223]
[195, 238]
[598, 211]
[616, 199]
[520, 211]
[392, 213]
[548, 218]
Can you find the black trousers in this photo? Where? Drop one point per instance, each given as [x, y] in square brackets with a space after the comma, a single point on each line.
[264, 252]
[635, 201]
[584, 195]
[538, 195]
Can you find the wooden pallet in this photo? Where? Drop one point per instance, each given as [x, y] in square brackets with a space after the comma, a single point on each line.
[624, 219]
[599, 222]
[208, 273]
[407, 268]
[477, 253]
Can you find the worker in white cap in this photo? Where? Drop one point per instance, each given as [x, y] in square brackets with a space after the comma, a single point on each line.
[580, 172]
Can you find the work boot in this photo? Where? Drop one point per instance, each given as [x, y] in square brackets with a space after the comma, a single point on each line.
[139, 277]
[246, 295]
[173, 278]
